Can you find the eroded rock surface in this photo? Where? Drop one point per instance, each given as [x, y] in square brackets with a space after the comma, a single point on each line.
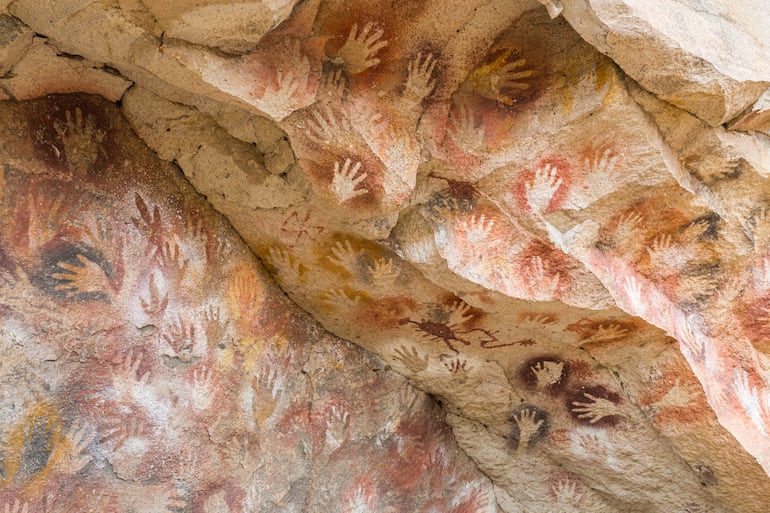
[551, 215]
[707, 57]
[149, 363]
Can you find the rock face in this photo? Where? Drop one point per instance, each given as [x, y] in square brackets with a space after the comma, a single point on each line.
[552, 216]
[710, 58]
[151, 365]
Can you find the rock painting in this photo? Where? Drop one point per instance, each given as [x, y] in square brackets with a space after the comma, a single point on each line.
[505, 202]
[151, 365]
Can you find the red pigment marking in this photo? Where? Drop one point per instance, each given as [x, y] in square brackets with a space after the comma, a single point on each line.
[754, 318]
[387, 312]
[562, 435]
[518, 187]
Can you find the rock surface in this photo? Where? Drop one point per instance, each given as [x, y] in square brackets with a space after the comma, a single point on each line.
[706, 57]
[550, 215]
[151, 365]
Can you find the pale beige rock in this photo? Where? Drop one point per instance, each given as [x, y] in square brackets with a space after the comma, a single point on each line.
[554, 7]
[729, 170]
[709, 58]
[221, 167]
[119, 39]
[15, 39]
[756, 117]
[44, 70]
[230, 26]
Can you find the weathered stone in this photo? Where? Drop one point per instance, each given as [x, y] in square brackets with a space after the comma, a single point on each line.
[150, 364]
[230, 26]
[756, 117]
[43, 70]
[709, 58]
[15, 39]
[573, 260]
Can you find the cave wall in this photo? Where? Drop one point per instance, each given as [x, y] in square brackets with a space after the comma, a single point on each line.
[150, 364]
[551, 216]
